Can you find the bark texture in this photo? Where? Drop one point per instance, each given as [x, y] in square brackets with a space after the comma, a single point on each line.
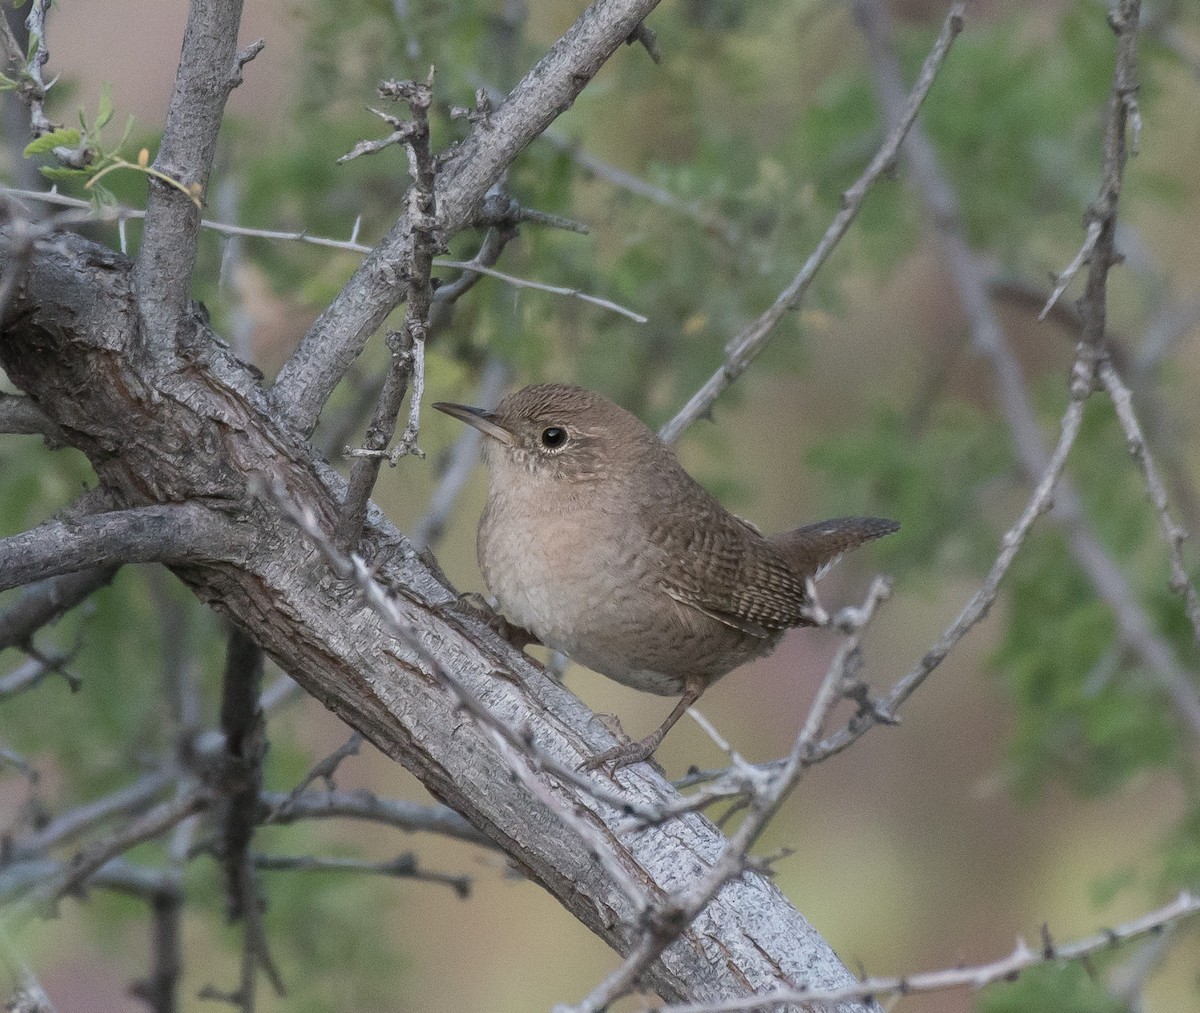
[194, 425]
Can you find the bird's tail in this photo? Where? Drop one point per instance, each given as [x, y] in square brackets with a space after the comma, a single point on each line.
[814, 548]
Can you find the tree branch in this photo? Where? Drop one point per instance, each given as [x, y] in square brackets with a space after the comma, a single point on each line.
[975, 977]
[743, 347]
[151, 534]
[209, 69]
[44, 602]
[410, 817]
[20, 416]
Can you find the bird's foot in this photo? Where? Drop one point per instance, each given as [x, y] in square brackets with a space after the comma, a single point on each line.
[623, 755]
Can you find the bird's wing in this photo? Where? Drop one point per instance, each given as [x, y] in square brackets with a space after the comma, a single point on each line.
[725, 569]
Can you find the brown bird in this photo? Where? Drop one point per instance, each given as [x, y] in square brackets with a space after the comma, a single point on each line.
[597, 541]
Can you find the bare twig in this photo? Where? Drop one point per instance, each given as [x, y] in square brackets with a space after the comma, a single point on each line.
[324, 770]
[125, 801]
[150, 825]
[464, 455]
[44, 602]
[33, 671]
[403, 867]
[475, 266]
[410, 817]
[1172, 532]
[408, 346]
[744, 346]
[1123, 115]
[574, 293]
[1067, 275]
[1134, 629]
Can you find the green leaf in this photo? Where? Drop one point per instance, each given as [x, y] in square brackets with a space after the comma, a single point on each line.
[60, 174]
[65, 137]
[102, 197]
[105, 111]
[1051, 988]
[125, 135]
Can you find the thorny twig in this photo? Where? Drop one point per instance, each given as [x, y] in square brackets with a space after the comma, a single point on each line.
[1022, 958]
[351, 245]
[1134, 628]
[325, 769]
[743, 347]
[1173, 534]
[403, 867]
[408, 346]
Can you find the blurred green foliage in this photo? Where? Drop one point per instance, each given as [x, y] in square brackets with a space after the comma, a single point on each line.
[1063, 988]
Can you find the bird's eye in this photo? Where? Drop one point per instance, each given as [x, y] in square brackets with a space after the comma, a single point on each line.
[553, 437]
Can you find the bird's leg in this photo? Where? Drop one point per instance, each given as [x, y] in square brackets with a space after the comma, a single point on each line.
[634, 752]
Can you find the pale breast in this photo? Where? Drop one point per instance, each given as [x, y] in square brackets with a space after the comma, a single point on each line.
[594, 591]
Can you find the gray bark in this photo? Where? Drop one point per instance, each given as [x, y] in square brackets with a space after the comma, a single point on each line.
[195, 426]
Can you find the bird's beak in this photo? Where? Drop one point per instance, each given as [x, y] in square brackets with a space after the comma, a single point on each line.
[479, 418]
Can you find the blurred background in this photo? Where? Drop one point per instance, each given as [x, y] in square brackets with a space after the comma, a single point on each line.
[1039, 777]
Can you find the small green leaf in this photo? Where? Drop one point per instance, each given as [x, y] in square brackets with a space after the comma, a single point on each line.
[59, 174]
[103, 198]
[65, 137]
[105, 111]
[125, 135]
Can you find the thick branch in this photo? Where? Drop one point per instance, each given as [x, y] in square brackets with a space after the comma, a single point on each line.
[200, 425]
[339, 333]
[151, 534]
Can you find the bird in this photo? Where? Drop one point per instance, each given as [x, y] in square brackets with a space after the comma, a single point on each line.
[597, 541]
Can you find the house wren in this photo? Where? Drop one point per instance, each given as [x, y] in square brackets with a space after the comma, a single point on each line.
[597, 541]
